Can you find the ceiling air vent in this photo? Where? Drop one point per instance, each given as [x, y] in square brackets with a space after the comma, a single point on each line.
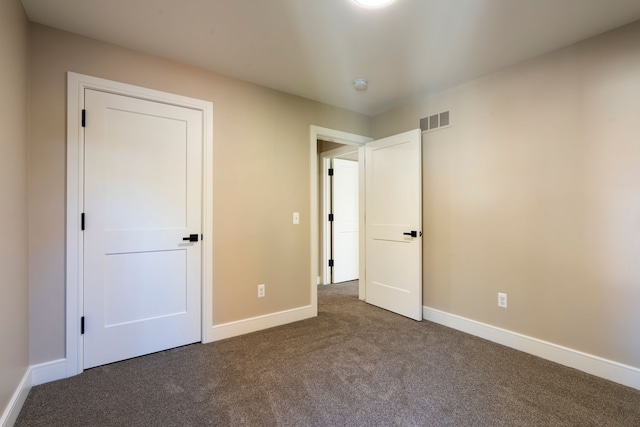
[436, 121]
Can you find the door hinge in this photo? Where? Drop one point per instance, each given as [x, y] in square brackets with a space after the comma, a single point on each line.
[330, 217]
[82, 325]
[330, 263]
[82, 221]
[84, 118]
[330, 171]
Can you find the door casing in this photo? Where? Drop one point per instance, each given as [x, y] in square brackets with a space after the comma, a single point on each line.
[350, 139]
[76, 85]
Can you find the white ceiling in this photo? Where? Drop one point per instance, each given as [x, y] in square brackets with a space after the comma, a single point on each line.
[315, 48]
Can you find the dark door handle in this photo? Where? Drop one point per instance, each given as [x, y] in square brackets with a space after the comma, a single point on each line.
[412, 234]
[191, 238]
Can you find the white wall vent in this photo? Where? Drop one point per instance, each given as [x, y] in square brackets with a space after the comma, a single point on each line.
[435, 121]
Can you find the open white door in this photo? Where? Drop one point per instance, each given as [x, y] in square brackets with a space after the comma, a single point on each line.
[143, 197]
[394, 223]
[345, 234]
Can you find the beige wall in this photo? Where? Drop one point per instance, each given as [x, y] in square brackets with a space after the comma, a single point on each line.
[261, 175]
[14, 303]
[535, 191]
[328, 145]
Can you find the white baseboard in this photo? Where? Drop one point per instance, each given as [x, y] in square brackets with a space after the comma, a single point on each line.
[57, 369]
[49, 371]
[11, 412]
[245, 326]
[594, 365]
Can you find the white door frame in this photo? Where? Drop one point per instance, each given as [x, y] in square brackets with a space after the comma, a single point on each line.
[325, 191]
[76, 85]
[325, 134]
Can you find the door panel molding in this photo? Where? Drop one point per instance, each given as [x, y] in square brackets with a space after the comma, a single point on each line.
[76, 85]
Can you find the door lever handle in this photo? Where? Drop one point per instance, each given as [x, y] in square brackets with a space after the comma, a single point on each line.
[191, 238]
[412, 233]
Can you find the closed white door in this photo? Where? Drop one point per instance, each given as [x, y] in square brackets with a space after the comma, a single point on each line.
[394, 224]
[345, 220]
[142, 197]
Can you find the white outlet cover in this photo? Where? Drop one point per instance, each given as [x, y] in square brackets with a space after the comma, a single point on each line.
[502, 300]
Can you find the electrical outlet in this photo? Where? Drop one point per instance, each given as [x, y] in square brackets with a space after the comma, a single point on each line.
[260, 290]
[502, 300]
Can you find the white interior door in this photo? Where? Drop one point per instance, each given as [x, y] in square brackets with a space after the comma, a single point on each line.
[345, 220]
[142, 196]
[394, 224]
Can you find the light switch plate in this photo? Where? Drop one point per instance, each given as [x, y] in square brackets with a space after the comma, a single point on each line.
[296, 217]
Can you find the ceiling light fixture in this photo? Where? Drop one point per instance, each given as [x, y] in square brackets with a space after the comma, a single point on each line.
[373, 3]
[360, 84]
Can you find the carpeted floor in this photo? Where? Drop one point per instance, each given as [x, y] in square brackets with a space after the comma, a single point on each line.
[353, 365]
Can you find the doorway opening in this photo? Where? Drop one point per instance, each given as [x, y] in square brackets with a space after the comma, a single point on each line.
[347, 142]
[389, 249]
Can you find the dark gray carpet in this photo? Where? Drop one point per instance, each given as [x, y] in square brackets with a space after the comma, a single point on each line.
[353, 365]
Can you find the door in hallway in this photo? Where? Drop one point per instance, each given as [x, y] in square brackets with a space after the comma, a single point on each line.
[345, 233]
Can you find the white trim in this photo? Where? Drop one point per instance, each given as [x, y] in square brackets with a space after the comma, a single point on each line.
[49, 371]
[594, 365]
[253, 324]
[362, 230]
[76, 84]
[207, 222]
[11, 412]
[315, 133]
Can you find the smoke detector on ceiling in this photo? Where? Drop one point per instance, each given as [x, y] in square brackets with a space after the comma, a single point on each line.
[360, 84]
